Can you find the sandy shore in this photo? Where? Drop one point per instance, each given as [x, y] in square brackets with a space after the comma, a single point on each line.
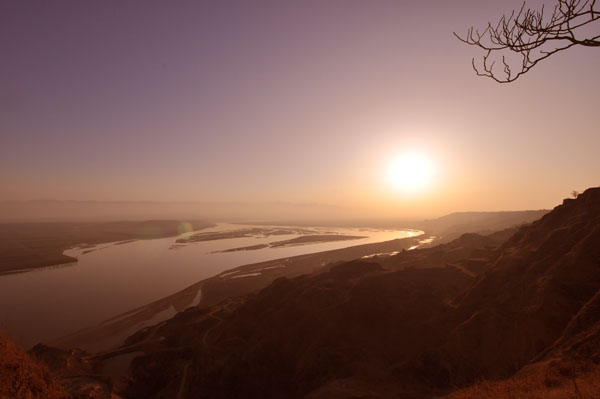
[27, 246]
[234, 282]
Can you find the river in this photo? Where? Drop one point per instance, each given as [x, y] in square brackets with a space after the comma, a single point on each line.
[110, 279]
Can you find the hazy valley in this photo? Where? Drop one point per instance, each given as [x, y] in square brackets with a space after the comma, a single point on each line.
[373, 320]
[339, 199]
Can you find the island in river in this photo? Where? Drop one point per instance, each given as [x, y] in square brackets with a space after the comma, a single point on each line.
[244, 233]
[302, 240]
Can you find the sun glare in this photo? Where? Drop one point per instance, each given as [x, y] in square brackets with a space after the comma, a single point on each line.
[410, 172]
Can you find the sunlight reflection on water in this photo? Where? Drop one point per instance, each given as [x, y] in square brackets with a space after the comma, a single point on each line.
[110, 279]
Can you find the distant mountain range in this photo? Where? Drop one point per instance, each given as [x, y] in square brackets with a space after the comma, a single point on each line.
[453, 225]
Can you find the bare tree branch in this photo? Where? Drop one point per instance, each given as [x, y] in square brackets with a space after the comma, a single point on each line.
[533, 36]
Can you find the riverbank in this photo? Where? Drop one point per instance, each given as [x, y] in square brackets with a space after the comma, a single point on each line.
[227, 284]
[28, 246]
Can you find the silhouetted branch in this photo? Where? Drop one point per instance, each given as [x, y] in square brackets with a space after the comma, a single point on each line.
[533, 36]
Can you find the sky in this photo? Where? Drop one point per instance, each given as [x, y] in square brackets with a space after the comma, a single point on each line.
[303, 102]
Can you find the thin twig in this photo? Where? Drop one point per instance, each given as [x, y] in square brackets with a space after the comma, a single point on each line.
[534, 37]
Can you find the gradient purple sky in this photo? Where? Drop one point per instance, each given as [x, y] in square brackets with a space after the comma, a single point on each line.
[283, 101]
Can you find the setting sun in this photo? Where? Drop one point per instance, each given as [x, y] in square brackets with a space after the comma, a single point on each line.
[411, 171]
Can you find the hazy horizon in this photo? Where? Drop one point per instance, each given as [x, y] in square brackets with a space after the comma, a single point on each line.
[245, 212]
[294, 103]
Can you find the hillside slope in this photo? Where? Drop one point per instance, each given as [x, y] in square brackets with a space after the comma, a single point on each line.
[485, 314]
[545, 275]
[415, 324]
